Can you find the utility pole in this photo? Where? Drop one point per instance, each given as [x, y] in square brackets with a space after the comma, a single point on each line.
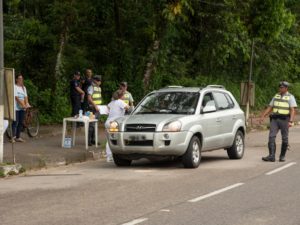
[1, 82]
[249, 85]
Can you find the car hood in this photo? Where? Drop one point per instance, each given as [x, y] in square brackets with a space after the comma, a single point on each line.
[157, 119]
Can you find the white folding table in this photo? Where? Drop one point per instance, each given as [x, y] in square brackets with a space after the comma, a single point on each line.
[86, 123]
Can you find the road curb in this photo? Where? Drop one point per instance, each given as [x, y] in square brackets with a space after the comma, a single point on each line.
[44, 161]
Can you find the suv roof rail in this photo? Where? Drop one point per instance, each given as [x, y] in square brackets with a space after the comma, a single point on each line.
[215, 86]
[174, 86]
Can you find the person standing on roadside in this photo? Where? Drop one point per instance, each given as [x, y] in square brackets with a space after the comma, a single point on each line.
[21, 99]
[117, 108]
[76, 93]
[282, 109]
[94, 100]
[86, 82]
[127, 98]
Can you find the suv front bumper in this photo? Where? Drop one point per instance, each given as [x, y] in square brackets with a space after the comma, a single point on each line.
[158, 143]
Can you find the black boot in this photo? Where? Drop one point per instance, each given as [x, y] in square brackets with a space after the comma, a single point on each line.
[284, 147]
[92, 136]
[272, 150]
[94, 142]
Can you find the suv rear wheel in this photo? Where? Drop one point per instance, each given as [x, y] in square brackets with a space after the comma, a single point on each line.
[236, 151]
[192, 156]
[120, 161]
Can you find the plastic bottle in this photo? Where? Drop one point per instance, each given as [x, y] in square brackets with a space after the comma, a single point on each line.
[80, 113]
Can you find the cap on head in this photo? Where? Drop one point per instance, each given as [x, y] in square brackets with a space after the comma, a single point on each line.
[77, 73]
[284, 84]
[123, 83]
[97, 77]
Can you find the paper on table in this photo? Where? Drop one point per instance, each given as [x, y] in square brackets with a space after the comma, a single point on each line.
[103, 109]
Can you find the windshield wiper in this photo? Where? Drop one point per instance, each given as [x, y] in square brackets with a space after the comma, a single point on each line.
[149, 112]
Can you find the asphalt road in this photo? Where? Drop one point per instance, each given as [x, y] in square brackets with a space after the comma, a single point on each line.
[220, 191]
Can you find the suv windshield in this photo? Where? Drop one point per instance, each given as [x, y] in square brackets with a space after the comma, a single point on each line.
[169, 103]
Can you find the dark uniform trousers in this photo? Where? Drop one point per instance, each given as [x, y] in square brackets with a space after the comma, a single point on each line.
[91, 134]
[76, 104]
[277, 124]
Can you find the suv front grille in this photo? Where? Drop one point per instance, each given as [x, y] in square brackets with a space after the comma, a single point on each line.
[140, 128]
[139, 143]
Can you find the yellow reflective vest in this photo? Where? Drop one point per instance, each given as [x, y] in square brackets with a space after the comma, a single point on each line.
[281, 105]
[126, 98]
[96, 96]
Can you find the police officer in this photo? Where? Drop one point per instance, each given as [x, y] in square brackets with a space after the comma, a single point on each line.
[128, 99]
[94, 100]
[282, 109]
[76, 93]
[86, 82]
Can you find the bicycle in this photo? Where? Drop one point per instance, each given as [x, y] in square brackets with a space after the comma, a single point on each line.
[31, 123]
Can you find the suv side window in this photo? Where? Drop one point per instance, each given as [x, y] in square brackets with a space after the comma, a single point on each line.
[222, 101]
[206, 98]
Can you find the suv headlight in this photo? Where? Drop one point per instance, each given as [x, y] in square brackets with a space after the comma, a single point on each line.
[113, 126]
[174, 126]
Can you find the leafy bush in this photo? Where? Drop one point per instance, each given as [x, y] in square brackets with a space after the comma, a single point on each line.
[41, 99]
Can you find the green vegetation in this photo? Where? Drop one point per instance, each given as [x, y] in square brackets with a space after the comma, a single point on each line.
[151, 44]
[12, 171]
[22, 170]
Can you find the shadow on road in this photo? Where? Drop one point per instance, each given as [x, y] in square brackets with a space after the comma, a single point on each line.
[166, 163]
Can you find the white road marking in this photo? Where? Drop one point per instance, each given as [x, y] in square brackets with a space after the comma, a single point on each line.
[215, 192]
[165, 210]
[133, 222]
[281, 168]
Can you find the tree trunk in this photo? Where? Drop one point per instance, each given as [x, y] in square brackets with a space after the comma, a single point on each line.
[58, 69]
[150, 65]
[117, 19]
[118, 56]
[58, 65]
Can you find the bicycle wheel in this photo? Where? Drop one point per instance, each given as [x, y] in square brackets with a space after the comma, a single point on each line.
[33, 123]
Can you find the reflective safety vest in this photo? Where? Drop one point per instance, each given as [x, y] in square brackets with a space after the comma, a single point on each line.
[281, 105]
[96, 96]
[126, 98]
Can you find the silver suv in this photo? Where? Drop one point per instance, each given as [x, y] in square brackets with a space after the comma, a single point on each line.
[180, 122]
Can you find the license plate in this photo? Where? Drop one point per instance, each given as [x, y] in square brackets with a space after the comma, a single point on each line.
[137, 138]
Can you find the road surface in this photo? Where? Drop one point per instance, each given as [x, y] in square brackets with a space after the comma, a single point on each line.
[220, 191]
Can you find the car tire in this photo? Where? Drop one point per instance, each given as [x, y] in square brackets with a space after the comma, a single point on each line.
[192, 156]
[236, 151]
[120, 161]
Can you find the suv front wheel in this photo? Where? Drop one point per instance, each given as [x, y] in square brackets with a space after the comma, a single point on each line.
[236, 151]
[192, 156]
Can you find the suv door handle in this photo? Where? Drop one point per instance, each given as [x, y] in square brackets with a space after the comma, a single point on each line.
[218, 120]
